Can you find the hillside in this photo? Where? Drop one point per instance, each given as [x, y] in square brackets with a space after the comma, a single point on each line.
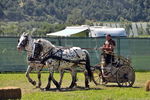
[74, 11]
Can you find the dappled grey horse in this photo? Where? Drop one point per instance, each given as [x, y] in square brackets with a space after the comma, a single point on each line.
[59, 58]
[25, 42]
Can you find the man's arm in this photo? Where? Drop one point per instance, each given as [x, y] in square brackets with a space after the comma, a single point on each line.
[109, 48]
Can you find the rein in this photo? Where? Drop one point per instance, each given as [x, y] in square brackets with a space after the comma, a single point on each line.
[81, 48]
[46, 53]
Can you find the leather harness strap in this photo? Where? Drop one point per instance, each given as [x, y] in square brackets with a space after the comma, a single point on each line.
[54, 56]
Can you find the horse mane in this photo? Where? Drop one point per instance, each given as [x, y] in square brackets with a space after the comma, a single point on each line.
[45, 43]
[28, 35]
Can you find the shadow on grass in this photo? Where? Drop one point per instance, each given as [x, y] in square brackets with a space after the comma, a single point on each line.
[122, 87]
[78, 88]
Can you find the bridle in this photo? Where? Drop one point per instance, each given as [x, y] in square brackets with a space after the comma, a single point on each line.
[37, 49]
[24, 42]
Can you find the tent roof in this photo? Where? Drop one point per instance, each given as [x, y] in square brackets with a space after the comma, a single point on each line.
[68, 31]
[94, 31]
[99, 32]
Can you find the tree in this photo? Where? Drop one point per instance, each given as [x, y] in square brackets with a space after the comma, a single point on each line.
[75, 17]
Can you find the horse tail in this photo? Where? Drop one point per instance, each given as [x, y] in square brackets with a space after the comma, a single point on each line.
[88, 66]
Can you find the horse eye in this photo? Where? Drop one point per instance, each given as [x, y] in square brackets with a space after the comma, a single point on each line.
[18, 40]
[26, 37]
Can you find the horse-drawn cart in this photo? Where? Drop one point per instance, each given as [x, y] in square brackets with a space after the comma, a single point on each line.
[120, 71]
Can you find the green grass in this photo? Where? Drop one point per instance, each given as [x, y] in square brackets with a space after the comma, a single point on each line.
[111, 92]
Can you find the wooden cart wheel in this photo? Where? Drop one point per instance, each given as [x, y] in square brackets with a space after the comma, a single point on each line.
[97, 76]
[125, 76]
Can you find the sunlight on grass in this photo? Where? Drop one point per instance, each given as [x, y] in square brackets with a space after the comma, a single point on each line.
[109, 92]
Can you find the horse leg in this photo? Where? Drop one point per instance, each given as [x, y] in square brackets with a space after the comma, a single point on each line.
[74, 76]
[39, 78]
[86, 79]
[61, 76]
[49, 80]
[51, 73]
[55, 82]
[29, 69]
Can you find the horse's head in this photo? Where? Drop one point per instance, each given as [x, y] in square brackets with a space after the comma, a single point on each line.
[41, 47]
[23, 41]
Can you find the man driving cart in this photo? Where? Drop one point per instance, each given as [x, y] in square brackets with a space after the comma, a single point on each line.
[108, 49]
[113, 68]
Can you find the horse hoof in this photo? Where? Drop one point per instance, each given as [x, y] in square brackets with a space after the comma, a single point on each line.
[58, 90]
[34, 83]
[37, 86]
[87, 88]
[59, 84]
[73, 86]
[70, 87]
[104, 83]
[46, 88]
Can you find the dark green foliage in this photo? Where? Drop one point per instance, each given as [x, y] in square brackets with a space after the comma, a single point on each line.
[45, 16]
[74, 11]
[34, 28]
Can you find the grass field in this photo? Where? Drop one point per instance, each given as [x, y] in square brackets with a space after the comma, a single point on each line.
[109, 92]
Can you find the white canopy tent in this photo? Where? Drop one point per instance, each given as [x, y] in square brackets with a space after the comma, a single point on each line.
[68, 31]
[101, 31]
[94, 31]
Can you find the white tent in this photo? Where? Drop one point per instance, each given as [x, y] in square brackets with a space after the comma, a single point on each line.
[101, 31]
[94, 31]
[68, 31]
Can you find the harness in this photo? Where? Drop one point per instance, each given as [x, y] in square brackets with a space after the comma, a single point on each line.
[53, 55]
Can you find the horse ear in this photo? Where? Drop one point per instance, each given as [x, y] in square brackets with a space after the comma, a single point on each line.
[23, 33]
[27, 34]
